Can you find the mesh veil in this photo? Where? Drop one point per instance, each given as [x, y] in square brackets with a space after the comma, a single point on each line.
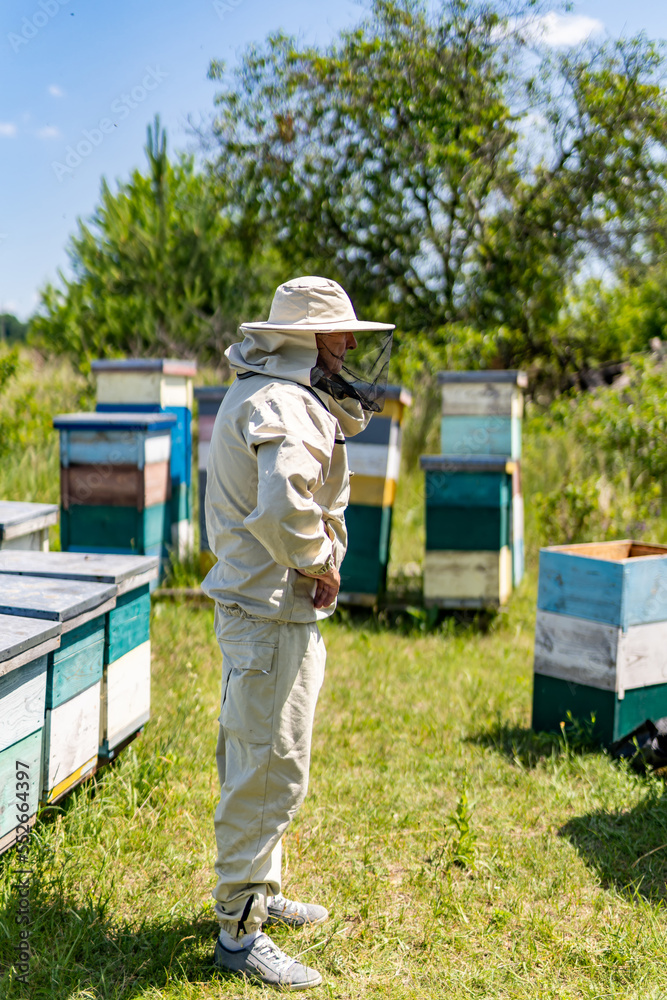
[363, 374]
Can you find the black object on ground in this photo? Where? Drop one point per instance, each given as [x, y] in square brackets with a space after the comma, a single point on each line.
[645, 747]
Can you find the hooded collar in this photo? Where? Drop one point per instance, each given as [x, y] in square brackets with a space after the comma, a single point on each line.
[291, 356]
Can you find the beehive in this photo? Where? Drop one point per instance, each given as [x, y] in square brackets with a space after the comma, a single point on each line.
[25, 526]
[208, 399]
[374, 457]
[115, 482]
[25, 645]
[468, 562]
[74, 670]
[158, 385]
[600, 637]
[126, 678]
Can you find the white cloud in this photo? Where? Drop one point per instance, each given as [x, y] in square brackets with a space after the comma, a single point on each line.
[7, 130]
[562, 30]
[55, 91]
[48, 132]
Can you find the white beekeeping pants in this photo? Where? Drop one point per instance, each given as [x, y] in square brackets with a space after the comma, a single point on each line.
[271, 676]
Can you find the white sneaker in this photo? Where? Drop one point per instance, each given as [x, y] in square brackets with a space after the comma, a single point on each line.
[289, 913]
[264, 961]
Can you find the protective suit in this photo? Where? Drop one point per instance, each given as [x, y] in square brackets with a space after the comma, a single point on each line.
[277, 488]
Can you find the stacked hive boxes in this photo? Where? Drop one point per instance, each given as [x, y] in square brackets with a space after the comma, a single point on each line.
[208, 399]
[468, 561]
[26, 525]
[125, 693]
[115, 482]
[474, 505]
[601, 636]
[374, 458]
[25, 645]
[74, 670]
[158, 386]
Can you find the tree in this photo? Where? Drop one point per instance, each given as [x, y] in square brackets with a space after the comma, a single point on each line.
[158, 270]
[12, 330]
[447, 168]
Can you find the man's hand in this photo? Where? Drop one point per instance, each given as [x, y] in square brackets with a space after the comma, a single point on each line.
[328, 585]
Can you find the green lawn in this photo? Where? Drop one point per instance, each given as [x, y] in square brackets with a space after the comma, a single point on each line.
[460, 854]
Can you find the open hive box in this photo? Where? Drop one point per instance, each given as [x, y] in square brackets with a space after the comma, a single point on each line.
[601, 637]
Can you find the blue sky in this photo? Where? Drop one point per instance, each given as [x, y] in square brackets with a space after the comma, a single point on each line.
[92, 73]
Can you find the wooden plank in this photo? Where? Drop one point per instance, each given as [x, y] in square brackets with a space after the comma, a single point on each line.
[367, 490]
[514, 376]
[78, 666]
[165, 366]
[19, 635]
[18, 518]
[490, 399]
[629, 590]
[116, 529]
[127, 572]
[71, 737]
[44, 648]
[27, 750]
[52, 599]
[582, 587]
[22, 701]
[110, 448]
[69, 783]
[176, 391]
[9, 839]
[576, 649]
[480, 436]
[118, 485]
[377, 431]
[127, 694]
[470, 489]
[36, 541]
[464, 575]
[467, 528]
[611, 551]
[202, 455]
[368, 459]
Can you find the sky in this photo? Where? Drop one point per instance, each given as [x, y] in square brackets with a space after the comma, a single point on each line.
[81, 79]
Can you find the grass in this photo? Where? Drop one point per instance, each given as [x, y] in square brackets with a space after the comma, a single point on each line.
[461, 855]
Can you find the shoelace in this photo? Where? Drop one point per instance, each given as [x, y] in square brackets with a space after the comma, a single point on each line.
[280, 960]
[288, 905]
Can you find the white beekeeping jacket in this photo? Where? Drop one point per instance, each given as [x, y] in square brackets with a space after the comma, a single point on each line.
[277, 480]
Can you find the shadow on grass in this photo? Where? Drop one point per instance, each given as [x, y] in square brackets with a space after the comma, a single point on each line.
[75, 949]
[628, 848]
[527, 749]
[412, 618]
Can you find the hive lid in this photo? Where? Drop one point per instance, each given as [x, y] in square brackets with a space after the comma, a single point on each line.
[520, 378]
[210, 392]
[18, 634]
[166, 366]
[96, 567]
[18, 518]
[133, 421]
[51, 598]
[623, 550]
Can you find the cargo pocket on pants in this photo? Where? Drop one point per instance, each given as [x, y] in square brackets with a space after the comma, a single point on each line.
[248, 656]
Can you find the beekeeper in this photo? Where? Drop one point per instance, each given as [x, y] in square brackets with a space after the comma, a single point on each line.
[277, 488]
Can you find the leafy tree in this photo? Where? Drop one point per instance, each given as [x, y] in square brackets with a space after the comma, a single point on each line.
[12, 330]
[157, 270]
[447, 168]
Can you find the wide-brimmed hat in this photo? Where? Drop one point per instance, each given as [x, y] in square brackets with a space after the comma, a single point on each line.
[315, 305]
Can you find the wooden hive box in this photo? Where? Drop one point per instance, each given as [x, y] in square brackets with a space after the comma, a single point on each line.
[74, 670]
[208, 399]
[126, 680]
[601, 636]
[115, 482]
[25, 644]
[374, 457]
[468, 562]
[25, 526]
[157, 385]
[481, 413]
[517, 527]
